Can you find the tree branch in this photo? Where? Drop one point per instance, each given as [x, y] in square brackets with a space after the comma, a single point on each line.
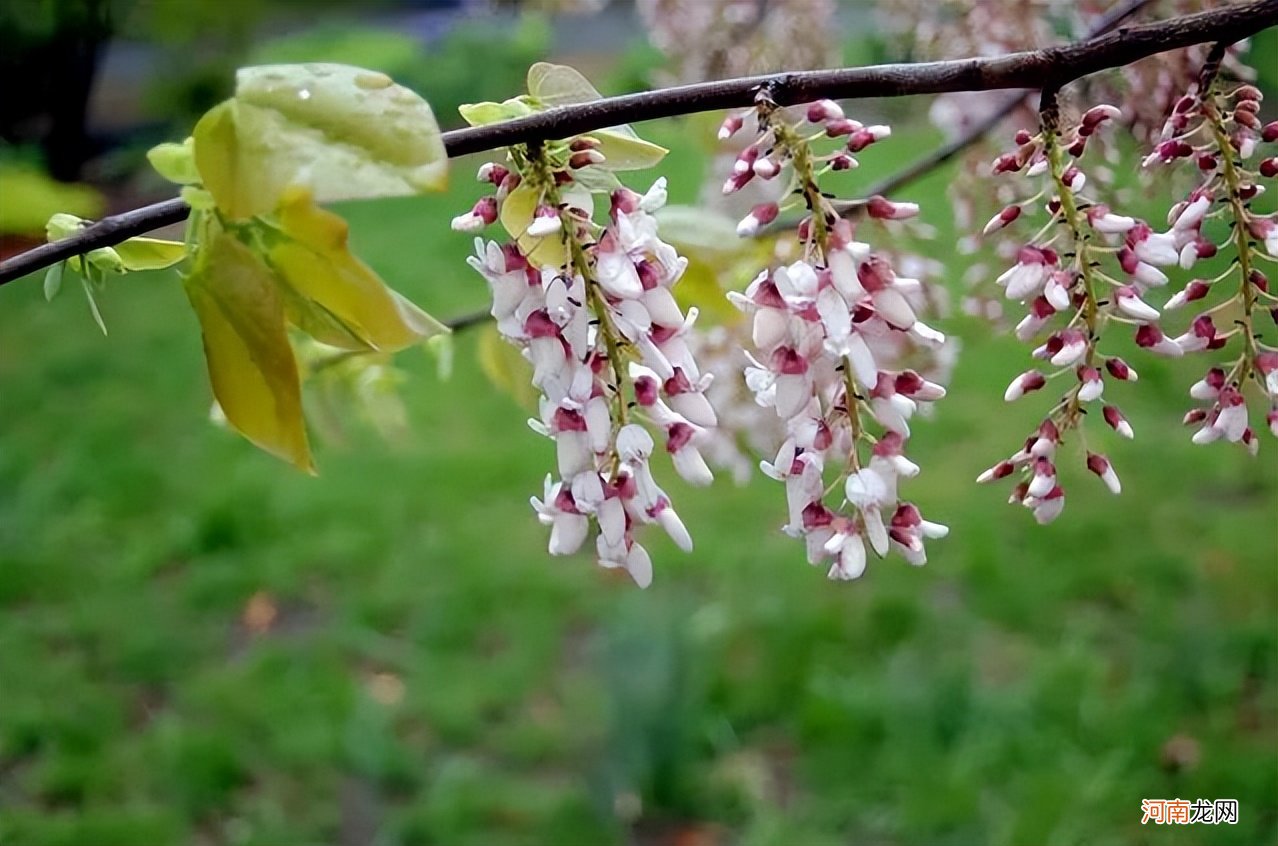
[1052, 66]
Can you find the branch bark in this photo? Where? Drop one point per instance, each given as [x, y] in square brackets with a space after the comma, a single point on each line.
[1036, 69]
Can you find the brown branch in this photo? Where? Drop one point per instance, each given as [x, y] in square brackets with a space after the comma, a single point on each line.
[1053, 66]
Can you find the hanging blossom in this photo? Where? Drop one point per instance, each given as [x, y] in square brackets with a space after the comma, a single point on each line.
[822, 327]
[590, 307]
[1087, 269]
[1214, 133]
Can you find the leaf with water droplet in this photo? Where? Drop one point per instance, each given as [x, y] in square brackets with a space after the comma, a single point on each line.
[341, 132]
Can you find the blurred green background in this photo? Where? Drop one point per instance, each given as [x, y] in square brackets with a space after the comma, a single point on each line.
[199, 645]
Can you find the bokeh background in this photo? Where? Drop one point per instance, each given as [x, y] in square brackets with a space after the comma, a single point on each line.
[200, 645]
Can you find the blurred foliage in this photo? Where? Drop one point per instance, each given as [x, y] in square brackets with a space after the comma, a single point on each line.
[30, 197]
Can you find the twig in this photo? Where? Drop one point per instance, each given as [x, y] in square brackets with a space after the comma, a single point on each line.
[1031, 69]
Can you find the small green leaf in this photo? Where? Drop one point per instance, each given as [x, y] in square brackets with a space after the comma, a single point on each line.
[63, 225]
[342, 132]
[53, 281]
[175, 162]
[93, 303]
[479, 114]
[251, 365]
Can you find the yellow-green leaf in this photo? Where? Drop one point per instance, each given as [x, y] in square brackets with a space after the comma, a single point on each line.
[339, 299]
[251, 365]
[342, 132]
[175, 162]
[516, 213]
[150, 253]
[505, 367]
[479, 114]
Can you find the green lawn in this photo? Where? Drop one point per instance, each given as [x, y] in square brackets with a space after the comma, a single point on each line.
[431, 676]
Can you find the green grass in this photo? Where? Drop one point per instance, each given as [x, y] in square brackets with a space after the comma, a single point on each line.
[1020, 689]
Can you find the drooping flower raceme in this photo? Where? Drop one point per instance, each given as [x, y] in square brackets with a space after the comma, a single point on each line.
[820, 327]
[1214, 132]
[1088, 268]
[590, 308]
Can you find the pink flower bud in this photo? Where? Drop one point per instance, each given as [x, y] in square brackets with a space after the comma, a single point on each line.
[1120, 369]
[824, 110]
[1002, 219]
[863, 138]
[760, 216]
[842, 161]
[483, 214]
[882, 208]
[1007, 163]
[1195, 290]
[839, 127]
[1270, 131]
[1022, 137]
[737, 181]
[1100, 465]
[1247, 118]
[731, 124]
[766, 167]
[491, 172]
[1097, 115]
[1269, 167]
[1117, 421]
[999, 471]
[1027, 382]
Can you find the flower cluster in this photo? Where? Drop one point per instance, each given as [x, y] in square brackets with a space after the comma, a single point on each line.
[822, 326]
[1214, 133]
[591, 309]
[1087, 268]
